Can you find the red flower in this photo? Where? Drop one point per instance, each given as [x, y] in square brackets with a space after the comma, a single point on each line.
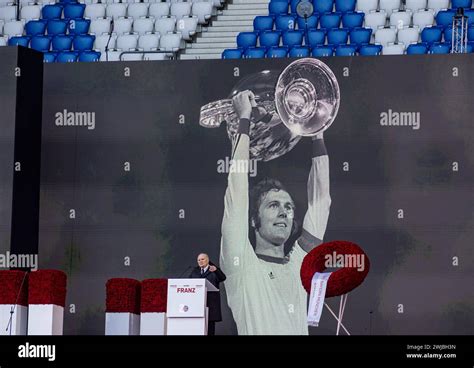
[154, 295]
[47, 287]
[123, 296]
[10, 284]
[341, 281]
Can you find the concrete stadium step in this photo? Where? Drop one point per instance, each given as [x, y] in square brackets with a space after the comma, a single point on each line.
[245, 12]
[237, 29]
[203, 51]
[216, 39]
[232, 23]
[200, 56]
[247, 6]
[236, 17]
[218, 34]
[211, 45]
[222, 33]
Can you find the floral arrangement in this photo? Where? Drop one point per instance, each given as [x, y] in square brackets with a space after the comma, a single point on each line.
[341, 281]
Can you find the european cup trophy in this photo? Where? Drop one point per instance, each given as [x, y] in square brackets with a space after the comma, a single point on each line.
[301, 101]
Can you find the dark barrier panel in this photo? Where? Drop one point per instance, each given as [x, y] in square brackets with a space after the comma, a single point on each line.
[133, 186]
[21, 80]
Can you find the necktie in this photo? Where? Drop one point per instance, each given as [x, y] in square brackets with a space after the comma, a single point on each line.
[202, 271]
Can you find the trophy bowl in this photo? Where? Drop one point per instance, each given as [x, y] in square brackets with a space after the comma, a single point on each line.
[303, 100]
[307, 97]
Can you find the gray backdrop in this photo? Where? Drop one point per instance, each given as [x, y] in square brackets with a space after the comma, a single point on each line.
[8, 91]
[173, 166]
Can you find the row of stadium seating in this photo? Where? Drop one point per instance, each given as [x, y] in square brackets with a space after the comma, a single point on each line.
[187, 26]
[138, 26]
[374, 20]
[86, 42]
[277, 7]
[202, 10]
[340, 36]
[386, 23]
[341, 50]
[71, 56]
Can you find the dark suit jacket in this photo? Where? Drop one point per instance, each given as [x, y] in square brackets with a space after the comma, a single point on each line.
[213, 297]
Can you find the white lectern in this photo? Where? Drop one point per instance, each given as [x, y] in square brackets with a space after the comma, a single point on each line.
[186, 310]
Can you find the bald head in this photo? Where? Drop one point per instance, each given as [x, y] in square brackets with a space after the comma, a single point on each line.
[203, 260]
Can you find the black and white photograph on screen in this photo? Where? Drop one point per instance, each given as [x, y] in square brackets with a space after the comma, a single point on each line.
[266, 118]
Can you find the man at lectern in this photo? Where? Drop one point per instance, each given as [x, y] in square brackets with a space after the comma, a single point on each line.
[214, 275]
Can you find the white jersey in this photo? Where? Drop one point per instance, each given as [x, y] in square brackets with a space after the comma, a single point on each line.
[265, 294]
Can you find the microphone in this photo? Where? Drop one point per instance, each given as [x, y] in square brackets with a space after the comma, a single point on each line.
[182, 273]
[108, 41]
[13, 307]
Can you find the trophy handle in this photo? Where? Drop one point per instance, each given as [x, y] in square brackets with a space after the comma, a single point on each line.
[214, 113]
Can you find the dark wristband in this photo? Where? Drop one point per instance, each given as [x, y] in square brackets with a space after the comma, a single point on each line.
[319, 148]
[244, 126]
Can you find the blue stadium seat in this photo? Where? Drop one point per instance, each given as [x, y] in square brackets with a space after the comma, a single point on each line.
[74, 11]
[246, 39]
[440, 48]
[346, 50]
[49, 57]
[277, 52]
[345, 5]
[52, 11]
[299, 51]
[311, 22]
[316, 37]
[470, 48]
[232, 54]
[66, 57]
[330, 20]
[338, 36]
[35, 27]
[263, 23]
[269, 38]
[461, 4]
[293, 5]
[56, 27]
[431, 34]
[470, 33]
[89, 56]
[255, 53]
[445, 17]
[353, 19]
[359, 36]
[469, 13]
[19, 41]
[370, 50]
[285, 22]
[277, 7]
[40, 43]
[64, 2]
[322, 50]
[448, 34]
[83, 42]
[292, 38]
[323, 6]
[79, 26]
[61, 43]
[417, 49]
